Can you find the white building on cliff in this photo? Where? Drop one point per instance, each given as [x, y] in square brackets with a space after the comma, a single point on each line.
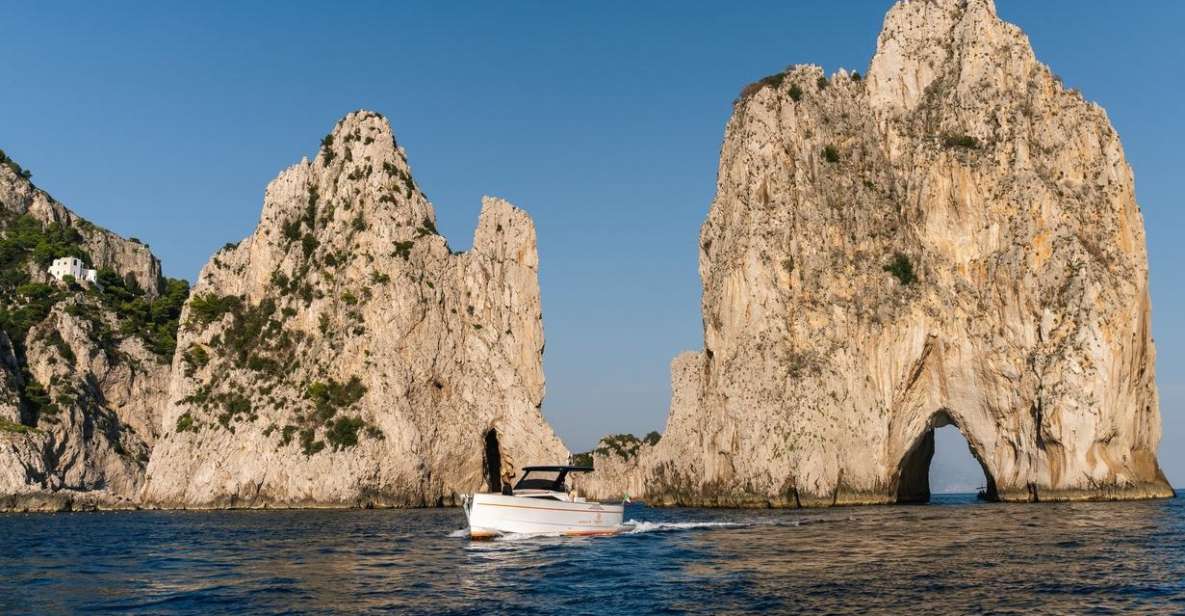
[72, 266]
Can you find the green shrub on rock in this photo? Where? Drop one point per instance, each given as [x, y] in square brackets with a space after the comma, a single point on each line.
[329, 398]
[953, 140]
[14, 166]
[309, 443]
[343, 433]
[403, 249]
[327, 148]
[209, 307]
[185, 423]
[902, 269]
[795, 92]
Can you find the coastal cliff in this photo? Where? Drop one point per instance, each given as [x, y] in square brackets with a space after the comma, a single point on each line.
[344, 355]
[84, 367]
[951, 239]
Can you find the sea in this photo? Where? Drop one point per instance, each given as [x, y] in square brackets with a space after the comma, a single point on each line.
[955, 555]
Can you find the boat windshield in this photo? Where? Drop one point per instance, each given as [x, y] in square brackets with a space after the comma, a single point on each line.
[542, 480]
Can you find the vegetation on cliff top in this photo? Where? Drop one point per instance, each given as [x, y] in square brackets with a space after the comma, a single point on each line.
[774, 81]
[12, 164]
[28, 295]
[624, 446]
[154, 320]
[28, 245]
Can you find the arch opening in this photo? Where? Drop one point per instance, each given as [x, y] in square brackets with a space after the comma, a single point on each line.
[960, 467]
[492, 462]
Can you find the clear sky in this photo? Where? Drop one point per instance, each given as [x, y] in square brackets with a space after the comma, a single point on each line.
[165, 121]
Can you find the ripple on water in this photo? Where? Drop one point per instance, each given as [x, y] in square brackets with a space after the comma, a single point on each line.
[957, 556]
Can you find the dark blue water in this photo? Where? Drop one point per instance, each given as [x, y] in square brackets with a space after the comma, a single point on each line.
[954, 555]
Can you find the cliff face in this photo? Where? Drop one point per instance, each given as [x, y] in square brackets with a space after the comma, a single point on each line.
[953, 239]
[84, 369]
[343, 355]
[104, 249]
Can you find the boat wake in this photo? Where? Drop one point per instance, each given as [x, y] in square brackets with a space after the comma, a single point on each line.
[634, 527]
[638, 527]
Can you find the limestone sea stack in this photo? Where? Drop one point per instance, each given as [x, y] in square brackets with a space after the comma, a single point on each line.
[344, 355]
[951, 239]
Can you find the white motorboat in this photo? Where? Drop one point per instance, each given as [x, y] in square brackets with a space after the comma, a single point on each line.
[540, 503]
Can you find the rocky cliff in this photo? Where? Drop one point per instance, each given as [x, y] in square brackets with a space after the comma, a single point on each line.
[84, 367]
[344, 355]
[953, 239]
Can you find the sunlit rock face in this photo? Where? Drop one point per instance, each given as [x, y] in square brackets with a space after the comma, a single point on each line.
[343, 355]
[80, 391]
[953, 238]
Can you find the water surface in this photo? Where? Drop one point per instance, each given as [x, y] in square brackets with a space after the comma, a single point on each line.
[952, 556]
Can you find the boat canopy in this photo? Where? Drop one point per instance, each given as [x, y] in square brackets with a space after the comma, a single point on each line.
[570, 469]
[549, 478]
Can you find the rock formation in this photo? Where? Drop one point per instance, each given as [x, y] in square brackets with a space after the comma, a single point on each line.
[84, 369]
[343, 355]
[953, 239]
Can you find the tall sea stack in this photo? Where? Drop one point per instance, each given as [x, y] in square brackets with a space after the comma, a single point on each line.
[951, 239]
[343, 355]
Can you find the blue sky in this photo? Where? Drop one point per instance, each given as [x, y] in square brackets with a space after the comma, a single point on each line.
[165, 122]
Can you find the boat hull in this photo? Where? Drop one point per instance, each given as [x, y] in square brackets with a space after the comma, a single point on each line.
[496, 514]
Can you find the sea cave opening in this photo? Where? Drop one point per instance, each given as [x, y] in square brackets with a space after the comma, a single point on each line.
[492, 461]
[943, 461]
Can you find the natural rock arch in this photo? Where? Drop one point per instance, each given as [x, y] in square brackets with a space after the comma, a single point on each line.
[912, 478]
[952, 235]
